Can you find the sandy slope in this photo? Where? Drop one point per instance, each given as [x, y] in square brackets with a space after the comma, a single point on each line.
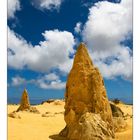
[35, 127]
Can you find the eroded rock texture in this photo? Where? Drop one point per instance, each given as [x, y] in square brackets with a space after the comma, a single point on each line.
[24, 104]
[86, 93]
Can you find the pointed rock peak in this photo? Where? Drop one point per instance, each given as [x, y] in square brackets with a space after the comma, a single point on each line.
[25, 91]
[82, 48]
[25, 96]
[86, 104]
[82, 57]
[24, 104]
[82, 45]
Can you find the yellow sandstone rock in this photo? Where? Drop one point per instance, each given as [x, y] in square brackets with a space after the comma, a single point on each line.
[24, 104]
[86, 93]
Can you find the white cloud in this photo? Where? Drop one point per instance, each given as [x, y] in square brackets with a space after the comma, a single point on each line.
[48, 81]
[51, 53]
[54, 83]
[13, 6]
[51, 76]
[121, 66]
[78, 26]
[47, 4]
[16, 81]
[108, 24]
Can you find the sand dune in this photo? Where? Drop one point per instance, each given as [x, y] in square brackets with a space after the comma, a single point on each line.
[33, 126]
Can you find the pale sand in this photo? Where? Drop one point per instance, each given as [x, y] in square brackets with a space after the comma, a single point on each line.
[33, 126]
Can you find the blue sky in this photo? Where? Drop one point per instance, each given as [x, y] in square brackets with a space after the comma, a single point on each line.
[43, 35]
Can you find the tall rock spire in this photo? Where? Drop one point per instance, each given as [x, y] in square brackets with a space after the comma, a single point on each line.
[24, 104]
[85, 95]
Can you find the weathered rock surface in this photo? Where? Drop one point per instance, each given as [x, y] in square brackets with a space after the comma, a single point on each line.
[58, 102]
[116, 111]
[14, 115]
[25, 103]
[127, 116]
[118, 118]
[86, 93]
[33, 110]
[90, 126]
[48, 101]
[54, 101]
[119, 124]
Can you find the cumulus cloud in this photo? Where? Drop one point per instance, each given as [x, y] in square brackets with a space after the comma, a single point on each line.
[16, 81]
[47, 81]
[51, 53]
[108, 24]
[50, 81]
[13, 6]
[51, 76]
[77, 28]
[119, 65]
[47, 4]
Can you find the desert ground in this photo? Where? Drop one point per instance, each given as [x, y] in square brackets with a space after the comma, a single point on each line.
[50, 121]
